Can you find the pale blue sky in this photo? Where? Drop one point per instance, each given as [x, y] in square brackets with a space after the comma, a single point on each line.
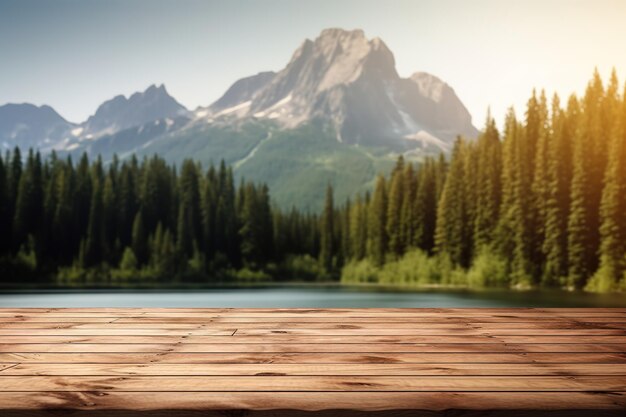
[74, 54]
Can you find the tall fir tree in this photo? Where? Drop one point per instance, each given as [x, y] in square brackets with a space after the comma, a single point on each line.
[327, 225]
[425, 203]
[29, 200]
[358, 229]
[95, 229]
[559, 177]
[5, 216]
[488, 183]
[140, 239]
[189, 216]
[452, 234]
[610, 275]
[394, 226]
[583, 222]
[377, 223]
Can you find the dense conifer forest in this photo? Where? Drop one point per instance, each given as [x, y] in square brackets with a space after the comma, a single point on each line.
[542, 203]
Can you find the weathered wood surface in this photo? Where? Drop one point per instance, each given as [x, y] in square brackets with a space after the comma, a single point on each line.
[297, 362]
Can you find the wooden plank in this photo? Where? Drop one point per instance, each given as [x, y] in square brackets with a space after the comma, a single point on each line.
[434, 369]
[202, 330]
[195, 318]
[114, 332]
[419, 331]
[308, 339]
[166, 324]
[309, 348]
[350, 357]
[268, 324]
[311, 383]
[89, 402]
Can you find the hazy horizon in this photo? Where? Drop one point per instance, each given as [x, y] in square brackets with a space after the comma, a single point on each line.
[73, 55]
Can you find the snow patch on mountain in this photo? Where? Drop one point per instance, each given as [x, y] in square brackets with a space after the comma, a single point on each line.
[233, 109]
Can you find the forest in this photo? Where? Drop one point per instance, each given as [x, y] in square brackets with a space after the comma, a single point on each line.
[540, 204]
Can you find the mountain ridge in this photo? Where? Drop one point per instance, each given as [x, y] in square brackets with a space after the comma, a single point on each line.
[351, 82]
[338, 103]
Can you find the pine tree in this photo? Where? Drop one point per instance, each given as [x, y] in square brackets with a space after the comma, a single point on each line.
[513, 226]
[109, 219]
[250, 232]
[266, 228]
[377, 222]
[189, 223]
[488, 184]
[139, 239]
[209, 215]
[126, 205]
[540, 188]
[537, 139]
[583, 222]
[81, 201]
[5, 217]
[231, 226]
[51, 201]
[346, 247]
[408, 224]
[358, 229]
[94, 243]
[14, 175]
[327, 249]
[613, 213]
[452, 236]
[29, 201]
[394, 210]
[559, 177]
[425, 206]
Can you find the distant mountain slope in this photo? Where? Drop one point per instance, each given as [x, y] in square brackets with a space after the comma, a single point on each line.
[27, 125]
[242, 91]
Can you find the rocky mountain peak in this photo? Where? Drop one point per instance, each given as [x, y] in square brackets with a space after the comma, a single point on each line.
[120, 112]
[349, 54]
[350, 82]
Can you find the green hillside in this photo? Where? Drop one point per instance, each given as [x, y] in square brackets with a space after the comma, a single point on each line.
[296, 164]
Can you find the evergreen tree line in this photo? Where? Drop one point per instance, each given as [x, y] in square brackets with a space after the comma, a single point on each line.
[129, 218]
[542, 204]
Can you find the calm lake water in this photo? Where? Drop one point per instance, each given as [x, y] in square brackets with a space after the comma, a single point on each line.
[306, 296]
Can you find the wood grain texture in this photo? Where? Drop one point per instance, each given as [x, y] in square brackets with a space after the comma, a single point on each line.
[304, 362]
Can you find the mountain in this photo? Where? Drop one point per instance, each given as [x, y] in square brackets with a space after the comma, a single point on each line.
[351, 83]
[28, 125]
[242, 91]
[338, 112]
[121, 113]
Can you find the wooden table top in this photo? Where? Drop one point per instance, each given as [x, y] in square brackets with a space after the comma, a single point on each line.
[292, 362]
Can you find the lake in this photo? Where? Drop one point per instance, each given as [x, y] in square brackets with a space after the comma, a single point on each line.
[310, 296]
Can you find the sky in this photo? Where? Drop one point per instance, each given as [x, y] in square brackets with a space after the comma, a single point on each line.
[75, 54]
